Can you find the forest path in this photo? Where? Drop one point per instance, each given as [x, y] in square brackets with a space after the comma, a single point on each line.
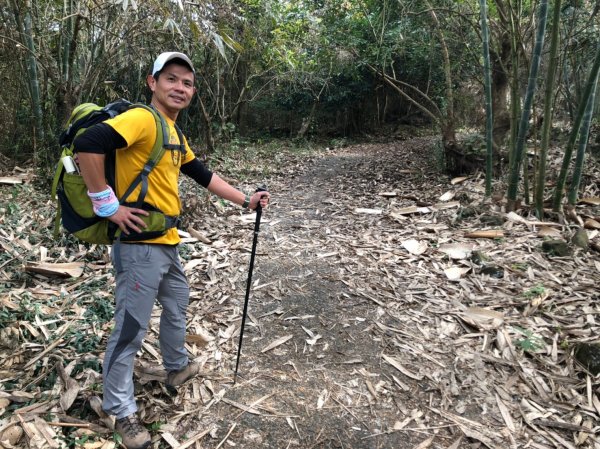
[328, 378]
[381, 340]
[340, 311]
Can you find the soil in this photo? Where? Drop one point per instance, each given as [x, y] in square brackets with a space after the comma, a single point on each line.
[325, 385]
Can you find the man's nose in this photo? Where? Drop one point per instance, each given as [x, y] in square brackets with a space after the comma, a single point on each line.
[179, 85]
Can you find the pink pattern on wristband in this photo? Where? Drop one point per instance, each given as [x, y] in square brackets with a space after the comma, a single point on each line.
[104, 203]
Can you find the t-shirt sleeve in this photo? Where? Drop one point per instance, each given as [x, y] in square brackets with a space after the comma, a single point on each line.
[189, 154]
[99, 139]
[137, 125]
[197, 171]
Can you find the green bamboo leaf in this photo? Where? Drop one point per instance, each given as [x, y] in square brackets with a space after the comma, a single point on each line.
[219, 44]
[230, 42]
[195, 30]
[172, 26]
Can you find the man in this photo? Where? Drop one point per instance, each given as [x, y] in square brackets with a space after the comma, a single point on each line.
[149, 269]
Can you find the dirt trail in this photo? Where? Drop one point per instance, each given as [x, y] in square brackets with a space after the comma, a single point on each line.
[381, 349]
[328, 383]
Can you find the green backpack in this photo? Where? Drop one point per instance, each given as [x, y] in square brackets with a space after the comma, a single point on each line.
[74, 208]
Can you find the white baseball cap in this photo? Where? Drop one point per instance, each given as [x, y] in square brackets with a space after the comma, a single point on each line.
[163, 58]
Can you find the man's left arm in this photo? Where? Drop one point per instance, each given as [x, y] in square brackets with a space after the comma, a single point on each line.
[215, 184]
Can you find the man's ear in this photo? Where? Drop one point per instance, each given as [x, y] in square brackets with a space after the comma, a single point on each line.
[151, 82]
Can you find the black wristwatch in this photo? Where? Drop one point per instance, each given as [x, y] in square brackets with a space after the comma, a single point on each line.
[246, 202]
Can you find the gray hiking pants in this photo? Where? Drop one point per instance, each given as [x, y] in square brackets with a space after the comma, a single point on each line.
[148, 272]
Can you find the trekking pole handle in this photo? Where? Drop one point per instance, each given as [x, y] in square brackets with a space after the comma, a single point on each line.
[260, 189]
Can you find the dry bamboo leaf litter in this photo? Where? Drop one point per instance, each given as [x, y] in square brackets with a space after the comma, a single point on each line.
[325, 271]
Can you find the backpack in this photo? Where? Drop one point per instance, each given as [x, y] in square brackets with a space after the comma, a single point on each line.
[74, 208]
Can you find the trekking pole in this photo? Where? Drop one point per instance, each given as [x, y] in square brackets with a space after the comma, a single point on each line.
[249, 283]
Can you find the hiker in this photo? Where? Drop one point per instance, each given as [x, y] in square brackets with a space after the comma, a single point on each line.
[150, 269]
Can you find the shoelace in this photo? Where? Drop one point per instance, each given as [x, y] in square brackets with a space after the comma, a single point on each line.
[131, 426]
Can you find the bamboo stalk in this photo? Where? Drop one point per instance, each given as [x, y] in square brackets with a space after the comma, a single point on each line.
[487, 78]
[548, 109]
[69, 424]
[562, 177]
[583, 140]
[515, 164]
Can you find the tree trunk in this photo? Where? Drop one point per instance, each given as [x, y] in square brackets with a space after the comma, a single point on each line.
[583, 140]
[209, 139]
[26, 31]
[307, 121]
[515, 165]
[65, 37]
[515, 98]
[500, 64]
[548, 111]
[562, 176]
[487, 76]
[67, 93]
[448, 126]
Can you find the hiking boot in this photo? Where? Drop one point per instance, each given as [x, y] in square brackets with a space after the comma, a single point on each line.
[181, 376]
[133, 434]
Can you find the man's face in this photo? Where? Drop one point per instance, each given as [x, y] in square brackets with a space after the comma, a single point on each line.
[173, 90]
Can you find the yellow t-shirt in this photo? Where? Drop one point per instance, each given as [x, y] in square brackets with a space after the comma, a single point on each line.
[138, 127]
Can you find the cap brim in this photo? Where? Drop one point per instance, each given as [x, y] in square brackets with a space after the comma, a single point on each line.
[163, 58]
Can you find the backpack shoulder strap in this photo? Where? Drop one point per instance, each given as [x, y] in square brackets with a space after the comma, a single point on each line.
[181, 140]
[155, 156]
[165, 130]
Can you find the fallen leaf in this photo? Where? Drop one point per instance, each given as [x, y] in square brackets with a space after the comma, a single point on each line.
[458, 180]
[411, 210]
[94, 445]
[193, 264]
[592, 201]
[505, 414]
[444, 206]
[277, 342]
[72, 269]
[447, 196]
[456, 250]
[481, 318]
[198, 339]
[455, 273]
[491, 234]
[360, 210]
[425, 444]
[415, 247]
[513, 216]
[322, 399]
[546, 231]
[401, 368]
[590, 223]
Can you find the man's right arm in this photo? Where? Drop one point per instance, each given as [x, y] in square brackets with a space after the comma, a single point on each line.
[91, 147]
